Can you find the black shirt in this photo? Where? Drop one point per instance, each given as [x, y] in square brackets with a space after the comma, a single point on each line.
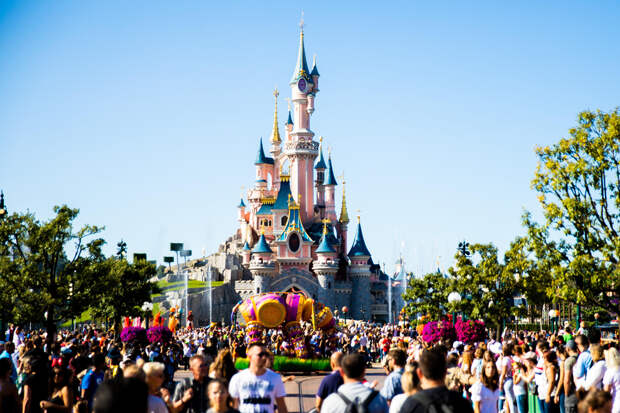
[439, 395]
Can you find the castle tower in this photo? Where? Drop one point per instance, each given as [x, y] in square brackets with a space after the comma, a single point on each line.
[325, 268]
[275, 140]
[320, 177]
[264, 167]
[262, 265]
[246, 252]
[301, 148]
[343, 220]
[330, 191]
[360, 276]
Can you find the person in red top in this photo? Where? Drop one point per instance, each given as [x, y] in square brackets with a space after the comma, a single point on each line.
[385, 346]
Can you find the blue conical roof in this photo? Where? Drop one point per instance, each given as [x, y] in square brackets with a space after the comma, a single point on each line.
[324, 245]
[331, 179]
[301, 68]
[283, 195]
[246, 247]
[260, 156]
[262, 246]
[315, 71]
[321, 162]
[290, 118]
[241, 204]
[359, 249]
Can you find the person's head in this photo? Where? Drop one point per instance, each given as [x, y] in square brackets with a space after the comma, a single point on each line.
[433, 364]
[218, 395]
[60, 377]
[258, 356]
[121, 396]
[594, 401]
[612, 358]
[353, 367]
[410, 380]
[488, 356]
[5, 368]
[507, 349]
[335, 361]
[542, 346]
[154, 372]
[478, 353]
[490, 376]
[223, 366]
[582, 342]
[396, 358]
[99, 361]
[551, 358]
[596, 350]
[199, 367]
[134, 371]
[571, 348]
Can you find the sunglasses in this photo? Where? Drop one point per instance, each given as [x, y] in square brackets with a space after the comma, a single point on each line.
[263, 354]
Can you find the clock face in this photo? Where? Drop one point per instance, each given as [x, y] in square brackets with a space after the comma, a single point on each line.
[302, 85]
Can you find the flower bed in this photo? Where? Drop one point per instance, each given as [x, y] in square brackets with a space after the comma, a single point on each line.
[133, 334]
[290, 364]
[159, 334]
[470, 331]
[435, 331]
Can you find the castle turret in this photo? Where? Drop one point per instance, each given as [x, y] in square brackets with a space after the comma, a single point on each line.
[241, 208]
[319, 167]
[262, 265]
[344, 219]
[275, 139]
[289, 122]
[315, 75]
[330, 191]
[264, 166]
[246, 252]
[360, 276]
[325, 267]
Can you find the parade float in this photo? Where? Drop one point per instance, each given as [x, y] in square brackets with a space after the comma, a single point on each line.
[286, 311]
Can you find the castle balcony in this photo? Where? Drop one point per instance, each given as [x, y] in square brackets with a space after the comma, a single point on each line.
[307, 147]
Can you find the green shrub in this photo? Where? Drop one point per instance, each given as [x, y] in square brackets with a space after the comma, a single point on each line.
[283, 364]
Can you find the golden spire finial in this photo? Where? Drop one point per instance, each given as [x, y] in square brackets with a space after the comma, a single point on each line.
[321, 139]
[344, 215]
[358, 216]
[275, 132]
[325, 222]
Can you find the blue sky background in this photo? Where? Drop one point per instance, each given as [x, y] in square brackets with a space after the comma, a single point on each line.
[146, 114]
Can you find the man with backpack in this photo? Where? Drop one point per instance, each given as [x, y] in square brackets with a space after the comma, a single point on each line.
[434, 396]
[354, 396]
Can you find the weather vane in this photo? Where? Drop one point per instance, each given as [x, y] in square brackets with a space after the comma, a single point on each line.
[276, 93]
[301, 22]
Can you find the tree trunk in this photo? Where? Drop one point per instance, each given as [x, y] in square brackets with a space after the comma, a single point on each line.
[50, 326]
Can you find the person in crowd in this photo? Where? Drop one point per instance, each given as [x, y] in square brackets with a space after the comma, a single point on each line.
[476, 364]
[540, 376]
[584, 360]
[190, 395]
[485, 393]
[570, 395]
[154, 377]
[411, 385]
[223, 367]
[505, 377]
[219, 398]
[125, 395]
[594, 376]
[396, 360]
[552, 379]
[520, 386]
[93, 378]
[257, 387]
[353, 390]
[60, 397]
[9, 399]
[331, 382]
[432, 373]
[35, 385]
[611, 380]
[594, 401]
[558, 394]
[6, 351]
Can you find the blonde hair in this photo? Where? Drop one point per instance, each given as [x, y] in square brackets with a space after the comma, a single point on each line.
[153, 367]
[612, 358]
[134, 371]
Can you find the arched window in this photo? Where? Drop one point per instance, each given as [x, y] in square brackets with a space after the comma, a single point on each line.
[329, 284]
[284, 220]
[294, 242]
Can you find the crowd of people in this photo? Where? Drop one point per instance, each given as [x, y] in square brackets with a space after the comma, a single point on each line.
[90, 370]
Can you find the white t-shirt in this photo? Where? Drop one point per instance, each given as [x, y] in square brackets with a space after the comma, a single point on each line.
[487, 397]
[256, 394]
[397, 402]
[612, 377]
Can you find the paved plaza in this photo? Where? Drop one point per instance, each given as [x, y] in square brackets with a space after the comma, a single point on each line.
[302, 390]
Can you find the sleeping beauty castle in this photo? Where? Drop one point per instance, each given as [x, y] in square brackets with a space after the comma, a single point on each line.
[291, 235]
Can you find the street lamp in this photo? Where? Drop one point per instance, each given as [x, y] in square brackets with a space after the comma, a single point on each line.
[552, 315]
[2, 206]
[169, 260]
[345, 310]
[454, 298]
[596, 317]
[147, 307]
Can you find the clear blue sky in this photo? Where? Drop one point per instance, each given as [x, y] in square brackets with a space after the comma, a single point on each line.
[146, 114]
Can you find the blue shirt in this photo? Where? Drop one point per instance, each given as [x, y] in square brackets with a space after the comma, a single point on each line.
[329, 384]
[5, 355]
[583, 364]
[392, 385]
[90, 382]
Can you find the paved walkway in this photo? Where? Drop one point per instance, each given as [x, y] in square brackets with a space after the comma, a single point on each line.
[302, 390]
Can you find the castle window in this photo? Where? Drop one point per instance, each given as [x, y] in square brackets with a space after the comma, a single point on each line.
[284, 220]
[294, 242]
[329, 284]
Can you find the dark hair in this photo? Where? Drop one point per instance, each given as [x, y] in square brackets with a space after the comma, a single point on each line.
[582, 339]
[507, 349]
[543, 345]
[5, 366]
[121, 396]
[399, 357]
[354, 366]
[592, 400]
[98, 359]
[551, 357]
[433, 364]
[491, 383]
[224, 366]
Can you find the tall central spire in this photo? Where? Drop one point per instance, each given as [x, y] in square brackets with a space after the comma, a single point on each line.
[301, 68]
[275, 133]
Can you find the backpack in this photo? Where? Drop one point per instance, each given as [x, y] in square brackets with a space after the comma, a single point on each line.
[355, 407]
[433, 405]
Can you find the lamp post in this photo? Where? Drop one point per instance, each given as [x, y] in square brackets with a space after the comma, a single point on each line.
[169, 260]
[596, 317]
[552, 316]
[345, 310]
[454, 298]
[2, 206]
[147, 307]
[185, 254]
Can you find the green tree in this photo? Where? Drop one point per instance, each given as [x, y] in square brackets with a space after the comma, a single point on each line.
[578, 181]
[427, 295]
[47, 267]
[122, 289]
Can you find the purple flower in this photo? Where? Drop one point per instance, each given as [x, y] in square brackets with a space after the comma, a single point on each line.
[435, 331]
[129, 334]
[470, 331]
[160, 334]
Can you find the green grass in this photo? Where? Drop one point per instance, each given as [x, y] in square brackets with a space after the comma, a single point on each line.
[85, 316]
[290, 364]
[180, 285]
